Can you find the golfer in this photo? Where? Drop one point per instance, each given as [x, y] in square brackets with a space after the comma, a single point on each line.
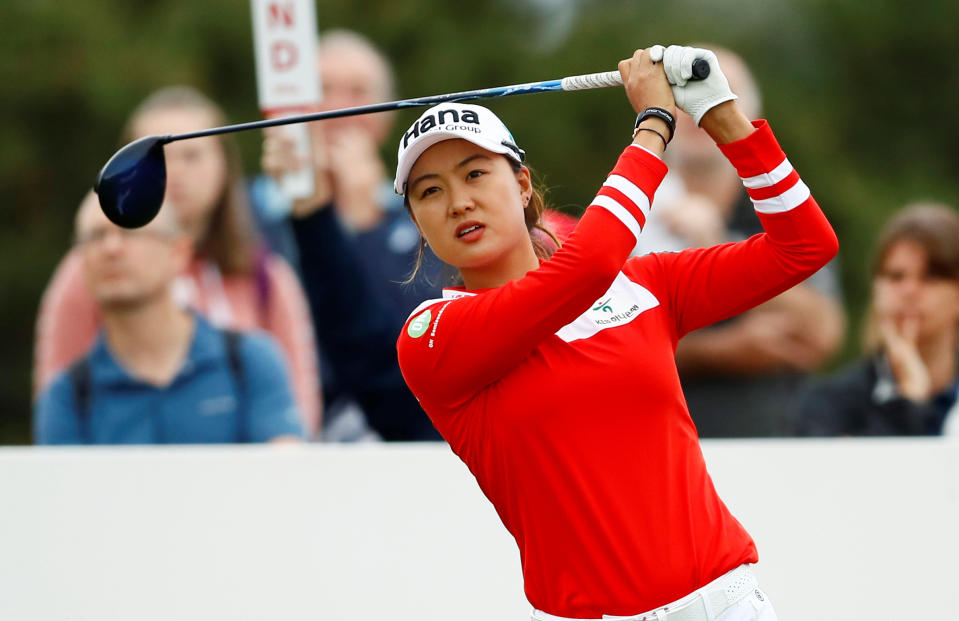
[553, 379]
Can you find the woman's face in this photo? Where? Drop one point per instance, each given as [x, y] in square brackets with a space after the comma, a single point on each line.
[469, 205]
[196, 169]
[903, 289]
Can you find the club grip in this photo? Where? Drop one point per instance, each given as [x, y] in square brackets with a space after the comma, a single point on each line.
[592, 80]
[613, 78]
[700, 69]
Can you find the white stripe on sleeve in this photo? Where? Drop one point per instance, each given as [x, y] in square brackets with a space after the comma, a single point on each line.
[773, 177]
[621, 213]
[631, 190]
[790, 199]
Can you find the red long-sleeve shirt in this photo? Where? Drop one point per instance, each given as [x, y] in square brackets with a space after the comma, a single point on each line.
[560, 392]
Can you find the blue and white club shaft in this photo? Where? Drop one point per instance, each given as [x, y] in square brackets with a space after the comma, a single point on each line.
[571, 83]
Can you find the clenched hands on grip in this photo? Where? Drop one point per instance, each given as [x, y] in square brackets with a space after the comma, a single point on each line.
[645, 83]
[710, 101]
[646, 87]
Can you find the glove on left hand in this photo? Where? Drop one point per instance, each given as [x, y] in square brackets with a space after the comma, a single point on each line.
[695, 97]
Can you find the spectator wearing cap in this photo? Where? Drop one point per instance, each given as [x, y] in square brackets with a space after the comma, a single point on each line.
[156, 373]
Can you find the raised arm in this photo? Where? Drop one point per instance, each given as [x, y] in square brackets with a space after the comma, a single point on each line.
[471, 341]
[708, 285]
[455, 348]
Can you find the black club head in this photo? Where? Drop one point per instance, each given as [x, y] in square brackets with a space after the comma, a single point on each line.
[131, 184]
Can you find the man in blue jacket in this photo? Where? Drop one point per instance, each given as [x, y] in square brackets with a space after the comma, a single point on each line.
[157, 373]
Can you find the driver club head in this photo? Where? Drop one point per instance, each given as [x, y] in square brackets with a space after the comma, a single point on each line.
[131, 184]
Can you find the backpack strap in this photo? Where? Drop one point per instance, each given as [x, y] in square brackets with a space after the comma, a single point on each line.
[232, 339]
[81, 377]
[262, 281]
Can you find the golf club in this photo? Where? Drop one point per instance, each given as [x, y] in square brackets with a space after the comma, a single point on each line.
[131, 184]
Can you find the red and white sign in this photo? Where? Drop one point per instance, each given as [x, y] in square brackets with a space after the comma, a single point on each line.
[284, 36]
[287, 79]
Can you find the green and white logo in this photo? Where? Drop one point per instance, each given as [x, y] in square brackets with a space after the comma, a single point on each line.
[420, 324]
[604, 306]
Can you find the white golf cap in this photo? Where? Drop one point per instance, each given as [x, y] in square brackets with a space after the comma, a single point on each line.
[445, 122]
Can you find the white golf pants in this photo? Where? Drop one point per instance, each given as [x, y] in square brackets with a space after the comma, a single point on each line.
[734, 596]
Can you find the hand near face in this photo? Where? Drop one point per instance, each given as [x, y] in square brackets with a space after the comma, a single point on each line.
[279, 157]
[357, 173]
[900, 342]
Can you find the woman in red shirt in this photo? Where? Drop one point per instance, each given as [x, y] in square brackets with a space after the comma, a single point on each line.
[554, 379]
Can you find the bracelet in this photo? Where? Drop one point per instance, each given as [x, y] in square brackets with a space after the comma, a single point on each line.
[650, 129]
[658, 113]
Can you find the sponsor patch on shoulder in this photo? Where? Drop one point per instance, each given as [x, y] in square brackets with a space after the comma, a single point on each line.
[622, 303]
[420, 324]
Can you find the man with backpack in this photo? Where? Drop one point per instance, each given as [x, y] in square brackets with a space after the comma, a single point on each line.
[159, 374]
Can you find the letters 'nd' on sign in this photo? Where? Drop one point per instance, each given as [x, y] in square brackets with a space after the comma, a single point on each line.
[284, 35]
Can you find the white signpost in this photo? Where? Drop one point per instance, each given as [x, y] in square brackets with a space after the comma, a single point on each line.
[284, 36]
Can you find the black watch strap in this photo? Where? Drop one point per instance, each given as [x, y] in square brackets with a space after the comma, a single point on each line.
[659, 113]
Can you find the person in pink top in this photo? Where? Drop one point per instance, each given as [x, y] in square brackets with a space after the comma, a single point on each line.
[231, 280]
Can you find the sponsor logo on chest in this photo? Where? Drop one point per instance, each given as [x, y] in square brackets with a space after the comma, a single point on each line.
[598, 315]
[621, 304]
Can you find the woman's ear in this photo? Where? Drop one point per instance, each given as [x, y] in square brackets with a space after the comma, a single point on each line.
[525, 182]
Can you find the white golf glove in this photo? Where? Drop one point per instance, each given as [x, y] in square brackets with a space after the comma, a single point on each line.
[695, 97]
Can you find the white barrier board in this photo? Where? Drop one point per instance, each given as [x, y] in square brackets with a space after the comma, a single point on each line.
[847, 530]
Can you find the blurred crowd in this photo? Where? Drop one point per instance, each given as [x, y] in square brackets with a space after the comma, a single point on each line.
[241, 314]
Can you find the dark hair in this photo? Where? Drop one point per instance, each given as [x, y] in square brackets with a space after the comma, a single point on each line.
[539, 233]
[230, 239]
[932, 226]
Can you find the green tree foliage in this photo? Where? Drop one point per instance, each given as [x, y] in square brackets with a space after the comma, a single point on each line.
[860, 98]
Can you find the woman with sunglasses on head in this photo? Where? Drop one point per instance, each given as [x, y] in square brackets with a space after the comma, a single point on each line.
[553, 379]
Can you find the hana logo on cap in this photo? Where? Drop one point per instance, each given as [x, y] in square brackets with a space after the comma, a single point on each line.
[448, 121]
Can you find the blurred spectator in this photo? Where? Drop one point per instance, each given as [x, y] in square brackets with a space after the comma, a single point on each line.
[362, 247]
[908, 382]
[232, 280]
[742, 376]
[159, 374]
[349, 170]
